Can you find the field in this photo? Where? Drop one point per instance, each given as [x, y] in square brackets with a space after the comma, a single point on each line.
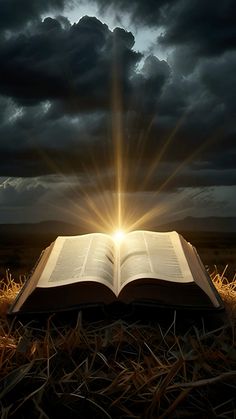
[215, 249]
[165, 367]
[170, 366]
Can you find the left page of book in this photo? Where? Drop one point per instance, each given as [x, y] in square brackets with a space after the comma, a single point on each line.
[80, 258]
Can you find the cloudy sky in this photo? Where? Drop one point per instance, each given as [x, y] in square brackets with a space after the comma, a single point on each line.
[102, 96]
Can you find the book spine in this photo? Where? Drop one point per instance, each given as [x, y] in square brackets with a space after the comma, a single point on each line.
[11, 309]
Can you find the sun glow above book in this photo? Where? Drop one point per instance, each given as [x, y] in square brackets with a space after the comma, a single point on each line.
[118, 235]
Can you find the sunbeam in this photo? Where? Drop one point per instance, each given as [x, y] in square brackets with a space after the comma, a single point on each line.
[117, 134]
[98, 197]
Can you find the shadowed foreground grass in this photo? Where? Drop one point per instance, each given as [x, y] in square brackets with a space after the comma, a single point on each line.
[118, 369]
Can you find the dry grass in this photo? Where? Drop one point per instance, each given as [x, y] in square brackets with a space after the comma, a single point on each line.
[227, 290]
[117, 369]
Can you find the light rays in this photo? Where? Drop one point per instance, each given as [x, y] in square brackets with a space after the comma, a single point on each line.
[98, 197]
[92, 201]
[79, 200]
[117, 136]
[154, 164]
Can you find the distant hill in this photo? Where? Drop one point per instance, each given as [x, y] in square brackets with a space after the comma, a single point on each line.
[208, 224]
[54, 228]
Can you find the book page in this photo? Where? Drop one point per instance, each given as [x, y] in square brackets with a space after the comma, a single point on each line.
[146, 254]
[79, 258]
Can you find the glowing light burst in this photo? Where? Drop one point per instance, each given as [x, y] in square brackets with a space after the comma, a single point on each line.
[118, 236]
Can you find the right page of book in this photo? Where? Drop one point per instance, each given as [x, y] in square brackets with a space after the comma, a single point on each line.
[146, 254]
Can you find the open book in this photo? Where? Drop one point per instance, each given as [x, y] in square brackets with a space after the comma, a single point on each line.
[146, 267]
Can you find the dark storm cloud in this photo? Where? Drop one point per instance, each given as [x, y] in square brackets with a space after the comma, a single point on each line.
[218, 76]
[191, 30]
[74, 64]
[207, 26]
[57, 72]
[14, 13]
[141, 11]
[57, 85]
[33, 144]
[19, 192]
[148, 85]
